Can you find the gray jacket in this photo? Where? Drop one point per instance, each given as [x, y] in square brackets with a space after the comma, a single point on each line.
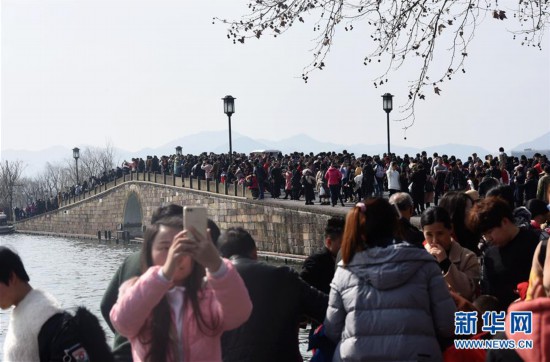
[389, 304]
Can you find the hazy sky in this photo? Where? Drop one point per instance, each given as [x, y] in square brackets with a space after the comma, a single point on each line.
[143, 73]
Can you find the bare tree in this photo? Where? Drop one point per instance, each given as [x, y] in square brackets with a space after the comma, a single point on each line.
[90, 164]
[107, 157]
[10, 175]
[401, 30]
[55, 178]
[94, 161]
[32, 190]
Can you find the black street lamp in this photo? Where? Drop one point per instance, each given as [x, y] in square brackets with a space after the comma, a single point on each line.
[76, 156]
[387, 105]
[229, 109]
[178, 151]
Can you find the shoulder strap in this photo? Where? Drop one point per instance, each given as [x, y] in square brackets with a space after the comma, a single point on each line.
[542, 254]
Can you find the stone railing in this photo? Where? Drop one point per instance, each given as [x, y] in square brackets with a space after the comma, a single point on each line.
[212, 186]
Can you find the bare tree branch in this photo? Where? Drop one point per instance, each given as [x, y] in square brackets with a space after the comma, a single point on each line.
[10, 175]
[401, 30]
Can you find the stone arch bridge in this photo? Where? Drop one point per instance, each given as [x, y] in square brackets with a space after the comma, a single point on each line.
[127, 204]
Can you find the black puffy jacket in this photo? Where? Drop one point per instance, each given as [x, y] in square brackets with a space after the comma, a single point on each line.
[68, 338]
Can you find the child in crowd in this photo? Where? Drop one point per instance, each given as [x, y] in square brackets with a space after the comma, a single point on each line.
[169, 313]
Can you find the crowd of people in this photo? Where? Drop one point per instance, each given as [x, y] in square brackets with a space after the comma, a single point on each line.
[375, 292]
[381, 288]
[310, 176]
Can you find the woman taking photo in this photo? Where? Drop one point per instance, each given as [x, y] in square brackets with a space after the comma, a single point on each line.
[170, 313]
[388, 300]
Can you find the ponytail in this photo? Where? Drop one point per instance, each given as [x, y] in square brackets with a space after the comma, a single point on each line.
[369, 224]
[353, 239]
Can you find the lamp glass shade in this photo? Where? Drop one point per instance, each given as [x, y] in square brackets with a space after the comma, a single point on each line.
[76, 152]
[387, 102]
[228, 105]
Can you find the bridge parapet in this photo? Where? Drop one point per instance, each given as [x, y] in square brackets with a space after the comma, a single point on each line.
[211, 186]
[277, 227]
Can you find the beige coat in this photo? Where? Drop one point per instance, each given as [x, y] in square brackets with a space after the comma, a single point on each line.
[464, 273]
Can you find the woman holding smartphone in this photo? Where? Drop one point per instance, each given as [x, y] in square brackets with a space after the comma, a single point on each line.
[169, 313]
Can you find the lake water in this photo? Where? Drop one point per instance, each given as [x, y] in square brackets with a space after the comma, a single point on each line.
[75, 271]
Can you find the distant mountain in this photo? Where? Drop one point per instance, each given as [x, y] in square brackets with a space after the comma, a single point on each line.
[211, 141]
[36, 160]
[217, 142]
[460, 151]
[306, 144]
[302, 143]
[540, 143]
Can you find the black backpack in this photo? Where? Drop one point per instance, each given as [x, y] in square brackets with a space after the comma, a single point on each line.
[78, 338]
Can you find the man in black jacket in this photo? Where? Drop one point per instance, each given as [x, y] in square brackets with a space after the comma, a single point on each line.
[277, 179]
[318, 269]
[367, 185]
[279, 296]
[508, 260]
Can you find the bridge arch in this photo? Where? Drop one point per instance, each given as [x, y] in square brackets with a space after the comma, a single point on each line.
[133, 215]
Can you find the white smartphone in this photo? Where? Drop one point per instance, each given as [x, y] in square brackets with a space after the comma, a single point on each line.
[195, 216]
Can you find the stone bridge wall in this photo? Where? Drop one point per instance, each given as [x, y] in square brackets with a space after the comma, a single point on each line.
[289, 229]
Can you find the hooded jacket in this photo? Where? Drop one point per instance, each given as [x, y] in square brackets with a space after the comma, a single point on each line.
[389, 304]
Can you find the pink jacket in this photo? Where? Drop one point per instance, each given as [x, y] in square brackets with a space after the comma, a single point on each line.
[541, 329]
[288, 180]
[333, 176]
[225, 298]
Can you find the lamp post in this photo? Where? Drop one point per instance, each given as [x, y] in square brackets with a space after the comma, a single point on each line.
[178, 151]
[387, 105]
[76, 156]
[229, 109]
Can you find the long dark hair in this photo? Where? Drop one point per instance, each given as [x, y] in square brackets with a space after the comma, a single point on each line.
[163, 337]
[373, 224]
[455, 203]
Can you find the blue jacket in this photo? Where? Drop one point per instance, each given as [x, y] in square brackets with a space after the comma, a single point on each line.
[389, 304]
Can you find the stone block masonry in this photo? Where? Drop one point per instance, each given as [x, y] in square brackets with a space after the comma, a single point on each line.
[276, 227]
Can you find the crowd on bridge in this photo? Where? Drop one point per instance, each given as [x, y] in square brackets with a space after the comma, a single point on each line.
[309, 176]
[302, 176]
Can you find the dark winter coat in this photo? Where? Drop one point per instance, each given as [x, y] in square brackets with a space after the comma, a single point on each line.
[280, 297]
